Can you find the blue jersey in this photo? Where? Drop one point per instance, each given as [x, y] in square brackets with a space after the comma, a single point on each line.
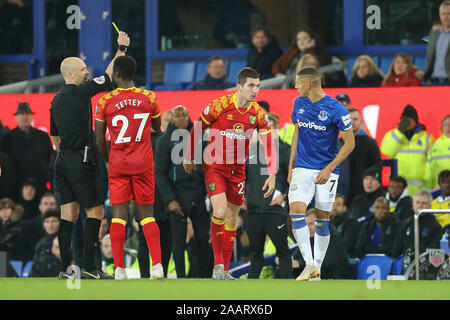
[319, 124]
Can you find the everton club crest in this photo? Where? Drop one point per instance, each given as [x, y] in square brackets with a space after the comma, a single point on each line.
[323, 115]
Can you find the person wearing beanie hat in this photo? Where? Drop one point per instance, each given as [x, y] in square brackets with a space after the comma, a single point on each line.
[409, 143]
[362, 205]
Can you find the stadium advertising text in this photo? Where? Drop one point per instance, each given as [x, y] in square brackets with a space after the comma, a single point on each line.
[380, 107]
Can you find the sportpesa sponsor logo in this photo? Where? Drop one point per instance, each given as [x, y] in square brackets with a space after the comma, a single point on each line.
[311, 125]
[232, 135]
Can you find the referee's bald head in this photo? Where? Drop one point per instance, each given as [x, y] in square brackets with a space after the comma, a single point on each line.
[74, 70]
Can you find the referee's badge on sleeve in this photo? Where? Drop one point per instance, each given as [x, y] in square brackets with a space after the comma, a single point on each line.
[99, 80]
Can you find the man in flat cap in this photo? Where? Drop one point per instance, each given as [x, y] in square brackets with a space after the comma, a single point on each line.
[29, 148]
[409, 144]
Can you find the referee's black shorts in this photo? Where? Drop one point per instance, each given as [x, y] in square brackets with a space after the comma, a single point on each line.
[76, 181]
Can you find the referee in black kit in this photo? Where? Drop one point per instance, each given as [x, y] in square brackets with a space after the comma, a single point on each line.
[75, 174]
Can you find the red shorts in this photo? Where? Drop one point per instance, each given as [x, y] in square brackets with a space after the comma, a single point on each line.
[125, 187]
[226, 178]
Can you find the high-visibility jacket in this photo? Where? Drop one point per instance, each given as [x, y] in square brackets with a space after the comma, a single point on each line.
[441, 203]
[438, 159]
[287, 133]
[411, 155]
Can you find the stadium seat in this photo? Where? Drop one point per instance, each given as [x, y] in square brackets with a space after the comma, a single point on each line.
[376, 60]
[200, 70]
[27, 269]
[397, 266]
[350, 62]
[17, 265]
[177, 76]
[385, 63]
[381, 262]
[234, 67]
[419, 62]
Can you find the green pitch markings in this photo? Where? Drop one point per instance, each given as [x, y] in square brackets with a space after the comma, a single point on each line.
[206, 289]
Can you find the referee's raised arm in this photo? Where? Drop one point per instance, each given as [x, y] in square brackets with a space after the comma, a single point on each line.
[76, 175]
[123, 41]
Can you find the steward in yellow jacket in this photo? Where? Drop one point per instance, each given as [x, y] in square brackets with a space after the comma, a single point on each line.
[438, 158]
[409, 144]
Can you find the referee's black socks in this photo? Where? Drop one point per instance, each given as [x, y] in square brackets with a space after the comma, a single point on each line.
[91, 230]
[65, 240]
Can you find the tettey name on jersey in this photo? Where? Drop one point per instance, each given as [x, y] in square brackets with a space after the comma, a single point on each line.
[127, 102]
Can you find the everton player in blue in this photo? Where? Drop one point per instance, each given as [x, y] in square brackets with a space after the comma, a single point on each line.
[313, 166]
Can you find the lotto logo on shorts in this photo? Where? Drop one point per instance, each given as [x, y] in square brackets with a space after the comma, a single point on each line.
[212, 186]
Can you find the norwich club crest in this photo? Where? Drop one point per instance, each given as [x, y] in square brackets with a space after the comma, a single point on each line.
[252, 119]
[212, 186]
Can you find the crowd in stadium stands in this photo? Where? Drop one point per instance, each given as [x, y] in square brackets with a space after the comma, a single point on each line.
[365, 217]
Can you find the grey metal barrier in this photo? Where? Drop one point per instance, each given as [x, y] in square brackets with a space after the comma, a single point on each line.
[416, 234]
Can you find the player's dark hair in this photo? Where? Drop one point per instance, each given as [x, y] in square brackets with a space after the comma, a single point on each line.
[344, 198]
[444, 174]
[245, 73]
[125, 66]
[312, 72]
[401, 180]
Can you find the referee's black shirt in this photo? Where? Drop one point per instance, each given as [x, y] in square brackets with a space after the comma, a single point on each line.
[70, 113]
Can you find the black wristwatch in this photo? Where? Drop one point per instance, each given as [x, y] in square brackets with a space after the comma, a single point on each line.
[123, 48]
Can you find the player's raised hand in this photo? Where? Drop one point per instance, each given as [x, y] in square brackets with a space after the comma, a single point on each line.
[323, 176]
[123, 39]
[270, 184]
[189, 167]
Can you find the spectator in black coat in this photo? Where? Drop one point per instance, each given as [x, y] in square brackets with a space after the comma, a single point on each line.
[363, 205]
[365, 73]
[10, 215]
[33, 229]
[430, 231]
[216, 78]
[365, 155]
[380, 234]
[7, 177]
[400, 203]
[29, 199]
[183, 194]
[335, 264]
[345, 225]
[30, 149]
[3, 130]
[45, 263]
[267, 216]
[263, 52]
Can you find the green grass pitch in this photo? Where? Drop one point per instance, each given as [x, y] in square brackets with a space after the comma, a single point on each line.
[206, 289]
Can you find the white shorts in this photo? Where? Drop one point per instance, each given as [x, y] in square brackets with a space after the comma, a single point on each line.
[303, 189]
